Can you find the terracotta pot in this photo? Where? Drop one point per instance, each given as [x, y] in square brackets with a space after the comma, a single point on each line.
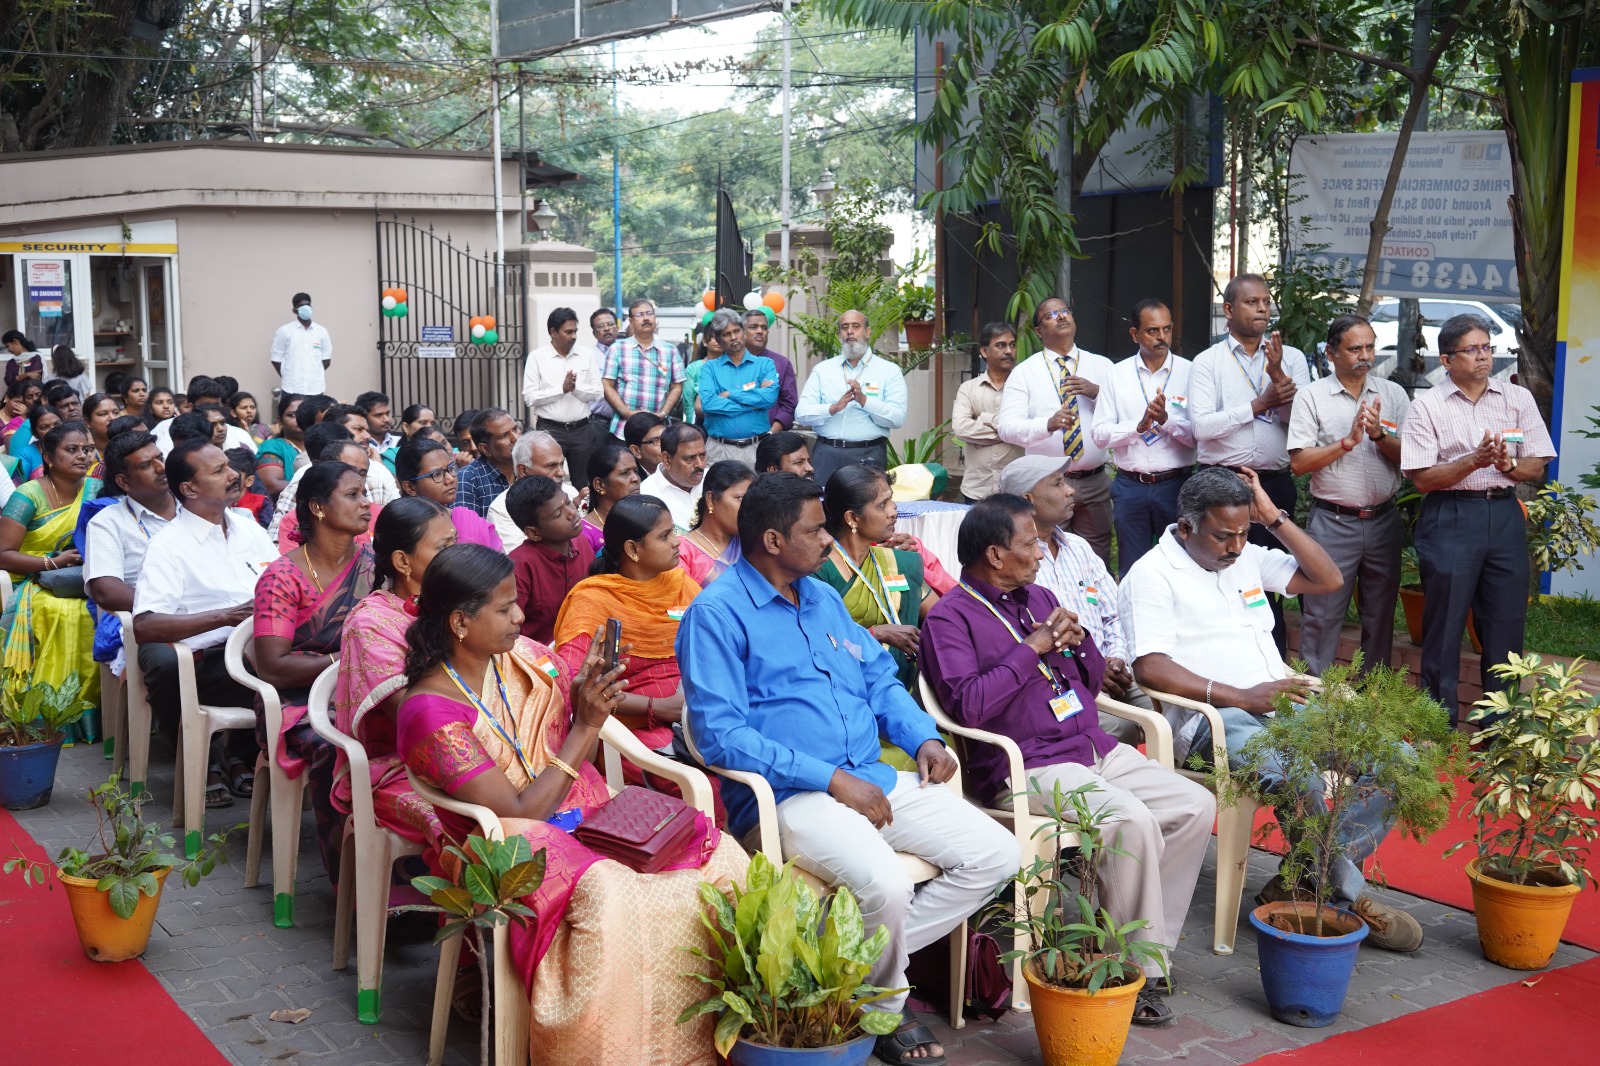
[918, 334]
[1077, 1029]
[105, 937]
[1519, 926]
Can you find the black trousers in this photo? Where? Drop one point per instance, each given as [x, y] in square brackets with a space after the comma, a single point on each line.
[1280, 488]
[825, 458]
[1473, 554]
[215, 686]
[577, 444]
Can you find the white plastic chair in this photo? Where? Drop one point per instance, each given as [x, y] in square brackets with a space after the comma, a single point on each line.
[1234, 824]
[510, 998]
[1016, 815]
[197, 723]
[918, 869]
[5, 590]
[133, 734]
[366, 858]
[286, 794]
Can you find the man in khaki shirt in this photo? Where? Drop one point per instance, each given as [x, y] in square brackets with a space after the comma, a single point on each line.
[977, 405]
[1344, 431]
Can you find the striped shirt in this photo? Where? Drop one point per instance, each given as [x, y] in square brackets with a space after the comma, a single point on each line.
[1085, 587]
[1443, 426]
[643, 376]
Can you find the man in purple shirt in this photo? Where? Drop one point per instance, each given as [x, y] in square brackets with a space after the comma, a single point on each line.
[1036, 674]
[755, 343]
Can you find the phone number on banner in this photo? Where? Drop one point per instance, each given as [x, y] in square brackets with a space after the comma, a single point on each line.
[1411, 270]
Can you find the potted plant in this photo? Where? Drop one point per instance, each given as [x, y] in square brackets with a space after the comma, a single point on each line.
[33, 717]
[918, 302]
[115, 888]
[1535, 778]
[1367, 737]
[789, 971]
[1084, 973]
[1560, 530]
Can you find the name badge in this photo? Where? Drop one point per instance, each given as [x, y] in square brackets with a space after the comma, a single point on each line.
[1150, 436]
[747, 386]
[896, 583]
[1066, 705]
[852, 648]
[1268, 416]
[1511, 436]
[1254, 597]
[566, 820]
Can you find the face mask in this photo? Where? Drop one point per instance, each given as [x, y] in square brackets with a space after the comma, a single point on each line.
[304, 312]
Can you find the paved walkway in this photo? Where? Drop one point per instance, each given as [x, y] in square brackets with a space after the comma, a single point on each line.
[216, 951]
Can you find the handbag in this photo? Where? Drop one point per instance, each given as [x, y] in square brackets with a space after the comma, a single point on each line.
[63, 581]
[641, 829]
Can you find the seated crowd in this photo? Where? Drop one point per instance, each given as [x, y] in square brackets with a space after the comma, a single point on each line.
[461, 578]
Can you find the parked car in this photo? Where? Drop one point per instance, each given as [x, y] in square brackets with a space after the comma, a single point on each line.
[1503, 319]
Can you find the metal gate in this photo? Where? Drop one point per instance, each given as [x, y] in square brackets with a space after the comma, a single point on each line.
[428, 356]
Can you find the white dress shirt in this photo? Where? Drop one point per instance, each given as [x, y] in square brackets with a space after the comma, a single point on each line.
[194, 566]
[115, 540]
[1217, 624]
[544, 374]
[1085, 587]
[1033, 395]
[299, 349]
[881, 381]
[1120, 408]
[232, 437]
[1222, 385]
[679, 502]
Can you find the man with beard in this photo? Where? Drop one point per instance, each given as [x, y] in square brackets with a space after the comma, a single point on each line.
[784, 453]
[977, 407]
[779, 680]
[1344, 431]
[1142, 419]
[198, 583]
[1240, 394]
[852, 401]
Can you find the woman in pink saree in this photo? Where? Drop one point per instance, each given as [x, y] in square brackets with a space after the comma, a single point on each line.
[601, 960]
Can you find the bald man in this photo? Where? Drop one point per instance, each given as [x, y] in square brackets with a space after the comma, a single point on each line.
[853, 401]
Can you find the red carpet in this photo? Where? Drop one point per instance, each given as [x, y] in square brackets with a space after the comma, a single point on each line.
[1421, 870]
[60, 1007]
[1507, 1026]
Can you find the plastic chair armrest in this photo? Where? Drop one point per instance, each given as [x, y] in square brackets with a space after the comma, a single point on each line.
[1157, 731]
[488, 822]
[694, 785]
[1219, 743]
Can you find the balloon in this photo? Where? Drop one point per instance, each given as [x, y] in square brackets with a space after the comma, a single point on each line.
[705, 319]
[752, 299]
[709, 300]
[774, 302]
[491, 337]
[399, 296]
[478, 332]
[389, 303]
[772, 316]
[488, 321]
[401, 310]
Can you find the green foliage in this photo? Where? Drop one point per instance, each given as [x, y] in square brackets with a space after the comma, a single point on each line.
[788, 970]
[925, 447]
[1536, 773]
[918, 300]
[1591, 480]
[1363, 736]
[1072, 940]
[128, 851]
[859, 237]
[33, 711]
[1560, 529]
[1309, 293]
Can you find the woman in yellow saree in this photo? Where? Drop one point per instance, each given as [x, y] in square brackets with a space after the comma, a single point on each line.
[47, 636]
[601, 960]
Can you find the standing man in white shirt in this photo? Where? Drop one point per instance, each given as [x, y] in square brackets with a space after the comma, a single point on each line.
[559, 382]
[302, 350]
[1344, 431]
[852, 401]
[1240, 393]
[1048, 409]
[983, 453]
[1142, 419]
[679, 479]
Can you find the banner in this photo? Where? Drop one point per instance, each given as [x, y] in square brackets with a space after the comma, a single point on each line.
[1577, 378]
[1450, 226]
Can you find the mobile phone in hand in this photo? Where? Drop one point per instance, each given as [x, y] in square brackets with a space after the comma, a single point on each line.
[613, 639]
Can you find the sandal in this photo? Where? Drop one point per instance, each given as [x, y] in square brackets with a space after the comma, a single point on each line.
[241, 779]
[217, 793]
[896, 1048]
[1151, 1010]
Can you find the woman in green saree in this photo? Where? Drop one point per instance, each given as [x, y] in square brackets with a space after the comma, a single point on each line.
[49, 636]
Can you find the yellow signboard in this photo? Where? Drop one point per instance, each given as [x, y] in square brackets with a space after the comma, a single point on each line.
[95, 247]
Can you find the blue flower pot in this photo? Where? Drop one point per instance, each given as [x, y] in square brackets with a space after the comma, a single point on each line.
[28, 773]
[1306, 978]
[854, 1053]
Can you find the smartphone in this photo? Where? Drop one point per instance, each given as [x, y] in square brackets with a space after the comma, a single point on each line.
[613, 639]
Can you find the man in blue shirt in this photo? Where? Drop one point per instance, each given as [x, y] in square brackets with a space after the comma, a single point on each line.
[737, 390]
[780, 680]
[852, 401]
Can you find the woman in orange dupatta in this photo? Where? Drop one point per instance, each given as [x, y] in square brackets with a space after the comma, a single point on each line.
[638, 581]
[604, 987]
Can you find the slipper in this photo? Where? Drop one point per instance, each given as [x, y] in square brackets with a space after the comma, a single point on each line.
[241, 780]
[1151, 1010]
[896, 1048]
[217, 796]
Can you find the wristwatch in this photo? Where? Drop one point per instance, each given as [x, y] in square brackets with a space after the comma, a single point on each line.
[1283, 516]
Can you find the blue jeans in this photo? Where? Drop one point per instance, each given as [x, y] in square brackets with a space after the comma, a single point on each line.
[1363, 829]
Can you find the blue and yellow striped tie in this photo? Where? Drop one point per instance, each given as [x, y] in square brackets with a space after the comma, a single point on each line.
[1072, 440]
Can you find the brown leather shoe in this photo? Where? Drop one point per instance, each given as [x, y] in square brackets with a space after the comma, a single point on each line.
[1388, 927]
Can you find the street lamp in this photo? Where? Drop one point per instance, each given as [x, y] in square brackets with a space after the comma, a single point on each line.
[542, 218]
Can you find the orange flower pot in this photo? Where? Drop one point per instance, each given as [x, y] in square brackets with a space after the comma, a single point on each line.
[1077, 1029]
[105, 937]
[1519, 926]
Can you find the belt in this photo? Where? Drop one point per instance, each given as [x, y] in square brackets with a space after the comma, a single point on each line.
[1355, 512]
[580, 424]
[1501, 493]
[741, 442]
[833, 442]
[1157, 478]
[1262, 474]
[1077, 474]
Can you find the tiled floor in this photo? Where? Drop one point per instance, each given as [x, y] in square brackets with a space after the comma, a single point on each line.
[216, 951]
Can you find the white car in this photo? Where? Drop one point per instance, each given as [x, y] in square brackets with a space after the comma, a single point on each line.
[1502, 318]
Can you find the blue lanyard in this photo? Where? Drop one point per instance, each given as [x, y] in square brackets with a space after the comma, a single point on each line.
[1139, 373]
[1240, 363]
[882, 601]
[505, 701]
[142, 528]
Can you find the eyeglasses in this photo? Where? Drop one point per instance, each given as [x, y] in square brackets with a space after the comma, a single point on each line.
[1060, 312]
[641, 314]
[438, 477]
[1476, 349]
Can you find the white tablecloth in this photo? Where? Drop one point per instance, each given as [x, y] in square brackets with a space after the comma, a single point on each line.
[935, 523]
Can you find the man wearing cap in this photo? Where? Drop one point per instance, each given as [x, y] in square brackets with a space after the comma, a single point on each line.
[1078, 577]
[852, 401]
[1142, 419]
[1048, 409]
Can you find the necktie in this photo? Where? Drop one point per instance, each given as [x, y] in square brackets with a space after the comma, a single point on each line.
[1072, 441]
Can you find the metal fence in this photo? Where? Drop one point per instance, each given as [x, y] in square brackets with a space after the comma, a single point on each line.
[428, 356]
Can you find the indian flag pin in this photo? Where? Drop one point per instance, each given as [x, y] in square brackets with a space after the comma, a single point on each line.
[676, 613]
[1254, 598]
[1512, 436]
[548, 669]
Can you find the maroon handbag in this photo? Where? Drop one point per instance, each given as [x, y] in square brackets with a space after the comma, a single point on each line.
[641, 829]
